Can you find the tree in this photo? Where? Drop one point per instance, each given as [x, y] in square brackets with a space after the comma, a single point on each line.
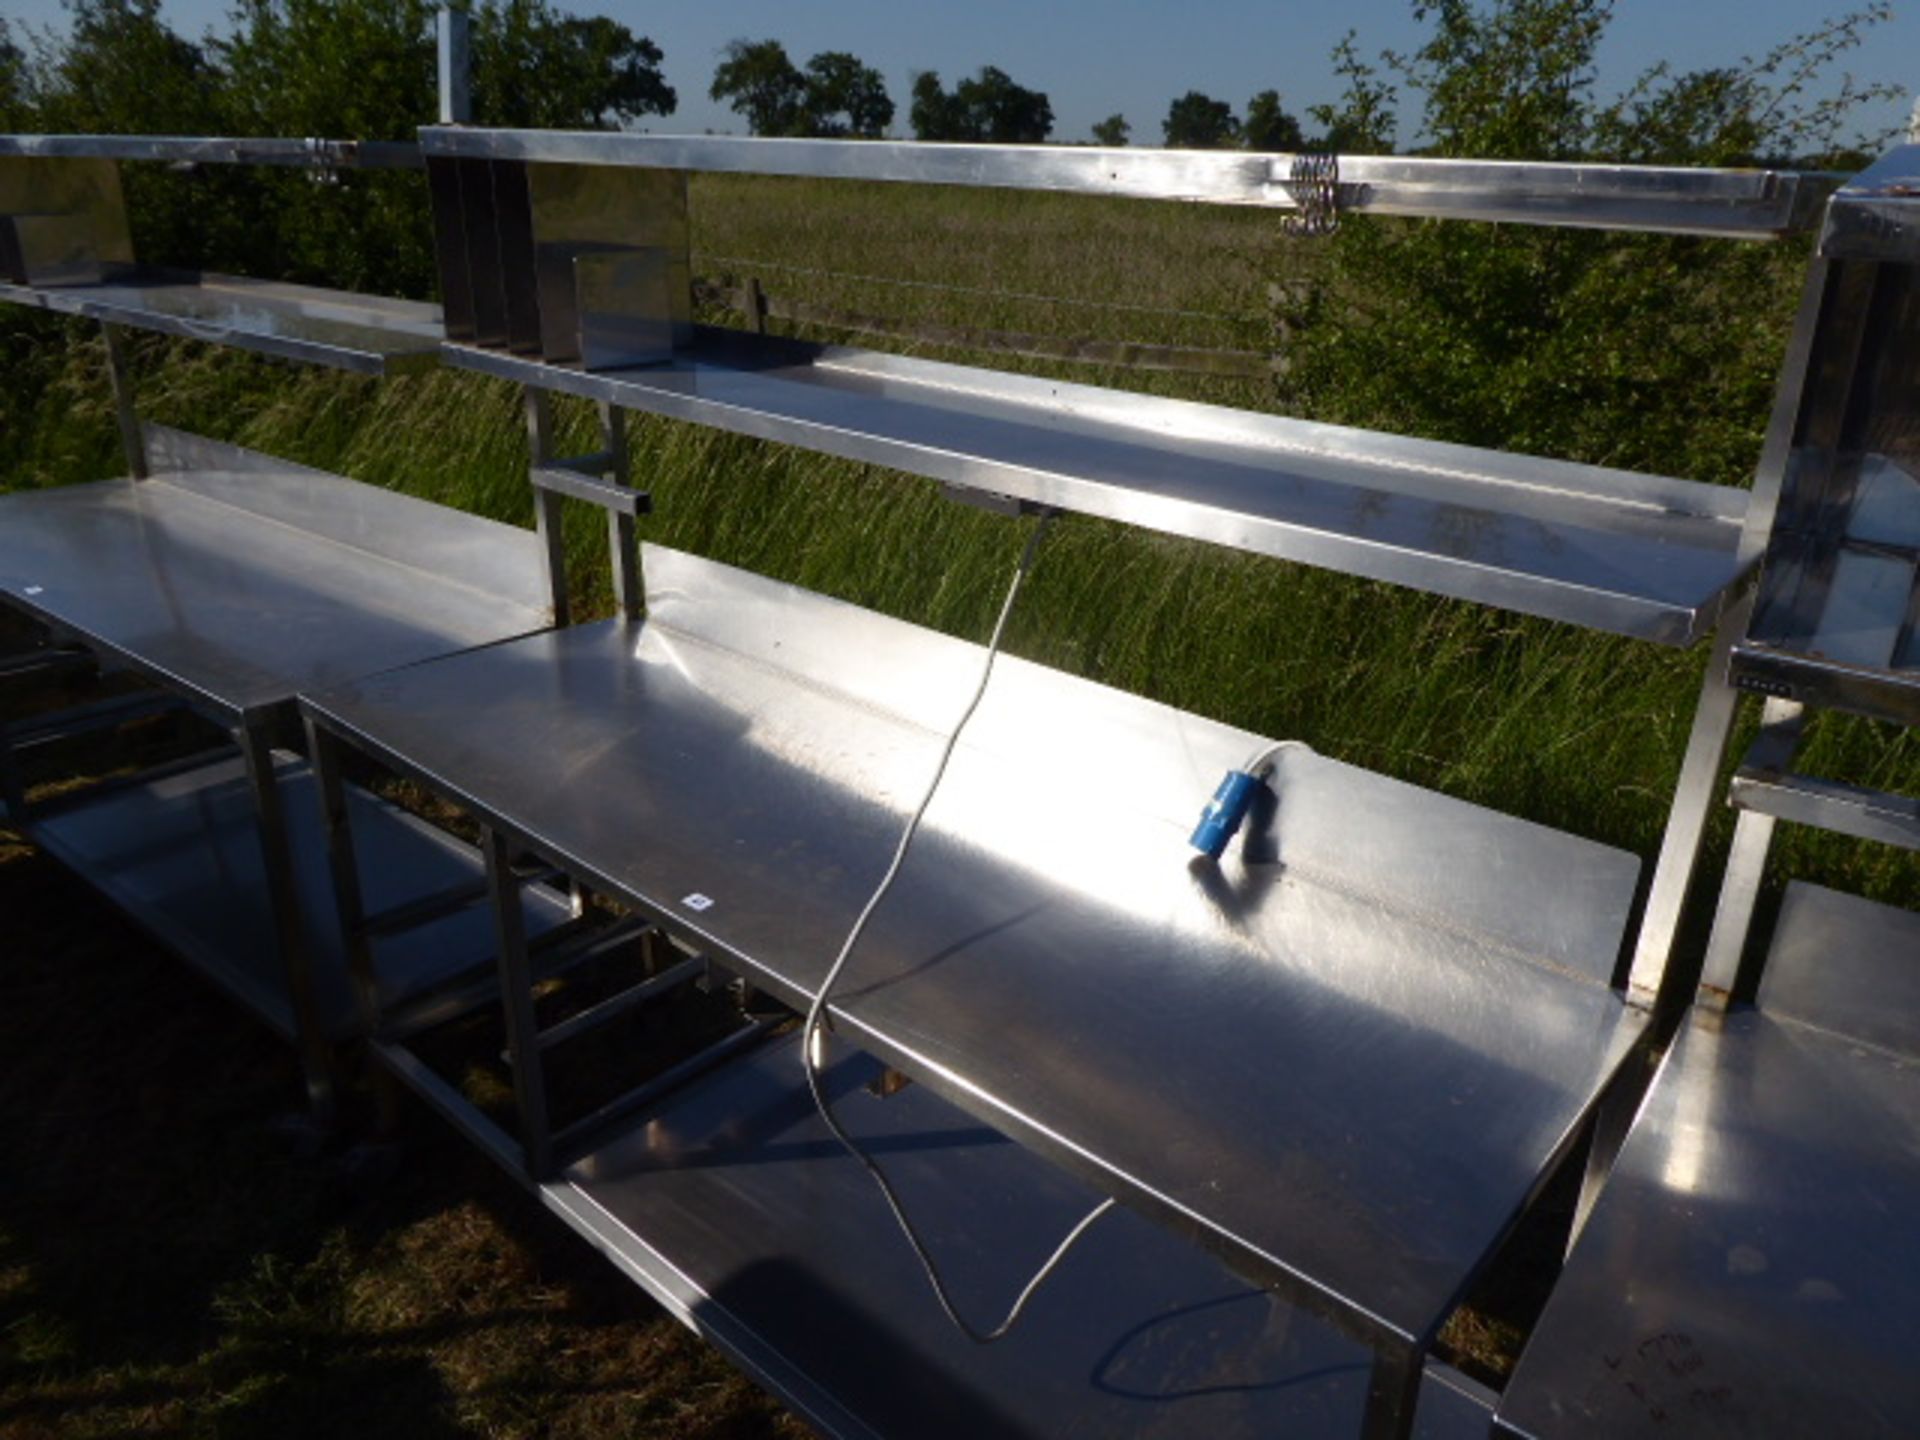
[1199, 122]
[536, 68]
[1112, 132]
[123, 70]
[836, 95]
[989, 107]
[758, 80]
[1270, 128]
[366, 68]
[14, 105]
[1541, 340]
[935, 115]
[845, 97]
[1361, 121]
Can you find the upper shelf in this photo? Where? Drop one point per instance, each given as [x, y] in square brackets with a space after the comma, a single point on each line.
[221, 150]
[1611, 550]
[1754, 204]
[367, 334]
[238, 579]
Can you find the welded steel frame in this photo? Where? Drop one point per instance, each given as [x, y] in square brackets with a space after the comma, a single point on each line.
[534, 1149]
[470, 166]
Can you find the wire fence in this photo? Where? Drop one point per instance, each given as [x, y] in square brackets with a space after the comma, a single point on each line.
[752, 300]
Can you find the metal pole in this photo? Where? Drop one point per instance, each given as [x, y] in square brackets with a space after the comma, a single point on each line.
[547, 511]
[1696, 798]
[276, 855]
[516, 998]
[1699, 789]
[456, 71]
[1393, 1390]
[349, 908]
[131, 440]
[622, 539]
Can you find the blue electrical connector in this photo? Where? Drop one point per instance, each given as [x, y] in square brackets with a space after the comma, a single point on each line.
[1224, 813]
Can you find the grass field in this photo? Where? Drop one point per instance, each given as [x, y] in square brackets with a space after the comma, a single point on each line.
[452, 1291]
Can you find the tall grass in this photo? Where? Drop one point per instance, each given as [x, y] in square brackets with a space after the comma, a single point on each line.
[1536, 719]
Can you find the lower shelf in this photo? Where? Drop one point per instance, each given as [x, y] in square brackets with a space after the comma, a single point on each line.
[1750, 1268]
[180, 855]
[735, 1208]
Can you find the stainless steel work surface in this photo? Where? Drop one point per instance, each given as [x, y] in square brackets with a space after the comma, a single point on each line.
[243, 585]
[181, 855]
[1751, 1267]
[368, 334]
[1349, 1061]
[1611, 550]
[736, 1208]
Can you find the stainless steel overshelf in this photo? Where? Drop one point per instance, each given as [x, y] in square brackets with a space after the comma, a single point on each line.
[736, 1209]
[222, 150]
[367, 334]
[181, 856]
[1610, 550]
[1740, 203]
[1748, 1268]
[1346, 1063]
[238, 579]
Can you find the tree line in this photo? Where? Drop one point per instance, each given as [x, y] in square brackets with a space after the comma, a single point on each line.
[837, 95]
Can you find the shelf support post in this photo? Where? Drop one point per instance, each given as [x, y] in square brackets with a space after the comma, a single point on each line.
[547, 512]
[348, 904]
[132, 442]
[1393, 1390]
[516, 999]
[276, 854]
[623, 544]
[1693, 805]
[456, 75]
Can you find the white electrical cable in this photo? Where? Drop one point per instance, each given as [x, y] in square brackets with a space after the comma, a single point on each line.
[811, 1036]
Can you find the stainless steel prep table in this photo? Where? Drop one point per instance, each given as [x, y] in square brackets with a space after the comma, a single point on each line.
[232, 580]
[1404, 999]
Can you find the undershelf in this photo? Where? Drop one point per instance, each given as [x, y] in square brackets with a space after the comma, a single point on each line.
[734, 1207]
[181, 856]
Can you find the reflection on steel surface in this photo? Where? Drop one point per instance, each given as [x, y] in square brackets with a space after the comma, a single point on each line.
[1049, 953]
[369, 334]
[246, 581]
[1748, 1268]
[732, 1205]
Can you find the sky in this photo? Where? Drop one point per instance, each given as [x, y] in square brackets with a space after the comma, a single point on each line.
[1097, 57]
